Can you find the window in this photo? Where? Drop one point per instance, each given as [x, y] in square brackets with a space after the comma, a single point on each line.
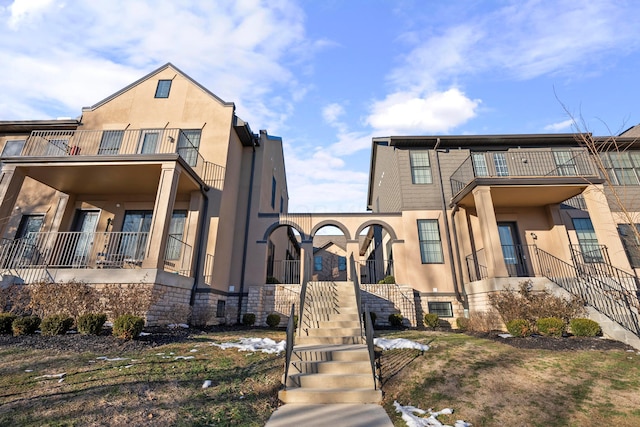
[135, 228]
[622, 168]
[429, 237]
[420, 167]
[13, 148]
[565, 163]
[500, 163]
[317, 263]
[29, 224]
[163, 88]
[480, 164]
[149, 139]
[631, 243]
[220, 309]
[342, 263]
[442, 309]
[176, 229]
[273, 192]
[110, 142]
[587, 239]
[188, 145]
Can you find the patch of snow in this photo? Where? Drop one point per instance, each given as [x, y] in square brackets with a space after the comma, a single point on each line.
[108, 324]
[193, 350]
[52, 375]
[412, 420]
[144, 334]
[390, 344]
[505, 335]
[206, 384]
[184, 357]
[28, 370]
[60, 380]
[265, 345]
[115, 359]
[127, 366]
[71, 332]
[178, 325]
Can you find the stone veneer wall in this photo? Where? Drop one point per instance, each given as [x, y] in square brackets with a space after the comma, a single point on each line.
[272, 298]
[423, 300]
[386, 299]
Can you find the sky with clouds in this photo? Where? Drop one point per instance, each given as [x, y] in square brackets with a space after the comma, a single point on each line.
[327, 76]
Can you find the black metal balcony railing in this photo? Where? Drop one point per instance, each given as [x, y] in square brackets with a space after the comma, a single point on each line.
[373, 271]
[523, 163]
[130, 142]
[285, 271]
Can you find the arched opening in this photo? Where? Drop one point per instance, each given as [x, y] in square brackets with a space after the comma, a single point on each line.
[283, 255]
[375, 249]
[329, 253]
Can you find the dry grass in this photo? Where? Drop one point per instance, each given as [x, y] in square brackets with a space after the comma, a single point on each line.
[487, 383]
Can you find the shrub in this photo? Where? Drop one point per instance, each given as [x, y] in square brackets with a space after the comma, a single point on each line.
[519, 327]
[248, 319]
[463, 323]
[273, 320]
[131, 298]
[6, 319]
[431, 320]
[91, 323]
[584, 327]
[372, 315]
[272, 280]
[388, 280]
[527, 304]
[295, 321]
[15, 298]
[26, 325]
[71, 298]
[128, 326]
[551, 326]
[485, 321]
[57, 324]
[395, 320]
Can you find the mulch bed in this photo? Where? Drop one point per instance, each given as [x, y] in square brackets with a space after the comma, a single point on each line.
[567, 343]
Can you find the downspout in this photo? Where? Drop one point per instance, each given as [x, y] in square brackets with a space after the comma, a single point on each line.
[454, 274]
[459, 295]
[246, 230]
[203, 220]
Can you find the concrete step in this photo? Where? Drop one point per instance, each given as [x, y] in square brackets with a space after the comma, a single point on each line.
[331, 367]
[307, 340]
[355, 323]
[322, 396]
[319, 353]
[338, 415]
[331, 381]
[331, 332]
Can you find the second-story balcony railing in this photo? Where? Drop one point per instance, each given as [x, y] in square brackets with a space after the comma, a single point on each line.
[523, 163]
[130, 142]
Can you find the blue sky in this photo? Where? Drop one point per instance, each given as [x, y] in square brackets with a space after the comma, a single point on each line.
[327, 76]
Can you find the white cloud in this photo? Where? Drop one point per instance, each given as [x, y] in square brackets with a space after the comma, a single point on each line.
[565, 125]
[332, 112]
[438, 112]
[26, 10]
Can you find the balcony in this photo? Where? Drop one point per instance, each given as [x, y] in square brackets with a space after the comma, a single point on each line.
[123, 144]
[524, 177]
[85, 250]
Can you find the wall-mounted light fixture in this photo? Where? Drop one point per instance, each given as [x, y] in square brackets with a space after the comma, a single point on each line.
[534, 236]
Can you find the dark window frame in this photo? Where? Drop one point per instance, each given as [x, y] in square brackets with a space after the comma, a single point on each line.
[441, 308]
[163, 89]
[425, 243]
[420, 170]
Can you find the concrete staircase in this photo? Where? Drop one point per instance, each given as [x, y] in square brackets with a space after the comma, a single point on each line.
[330, 361]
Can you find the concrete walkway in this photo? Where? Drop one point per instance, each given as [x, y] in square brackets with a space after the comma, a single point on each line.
[332, 415]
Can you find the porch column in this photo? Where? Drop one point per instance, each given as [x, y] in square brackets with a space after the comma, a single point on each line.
[162, 211]
[353, 247]
[306, 260]
[496, 266]
[604, 225]
[191, 231]
[11, 180]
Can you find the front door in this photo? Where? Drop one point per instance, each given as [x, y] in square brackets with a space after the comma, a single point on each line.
[85, 229]
[511, 249]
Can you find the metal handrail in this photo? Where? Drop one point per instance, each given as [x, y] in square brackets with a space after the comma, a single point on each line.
[613, 302]
[22, 259]
[368, 327]
[289, 343]
[303, 307]
[177, 256]
[356, 289]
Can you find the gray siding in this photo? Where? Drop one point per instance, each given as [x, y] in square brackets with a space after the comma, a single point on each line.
[386, 196]
[629, 198]
[427, 196]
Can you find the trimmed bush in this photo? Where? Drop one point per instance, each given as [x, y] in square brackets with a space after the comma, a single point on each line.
[272, 280]
[26, 325]
[551, 326]
[91, 323]
[584, 327]
[6, 319]
[388, 280]
[57, 324]
[248, 319]
[431, 320]
[395, 320]
[273, 320]
[463, 323]
[519, 328]
[128, 326]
